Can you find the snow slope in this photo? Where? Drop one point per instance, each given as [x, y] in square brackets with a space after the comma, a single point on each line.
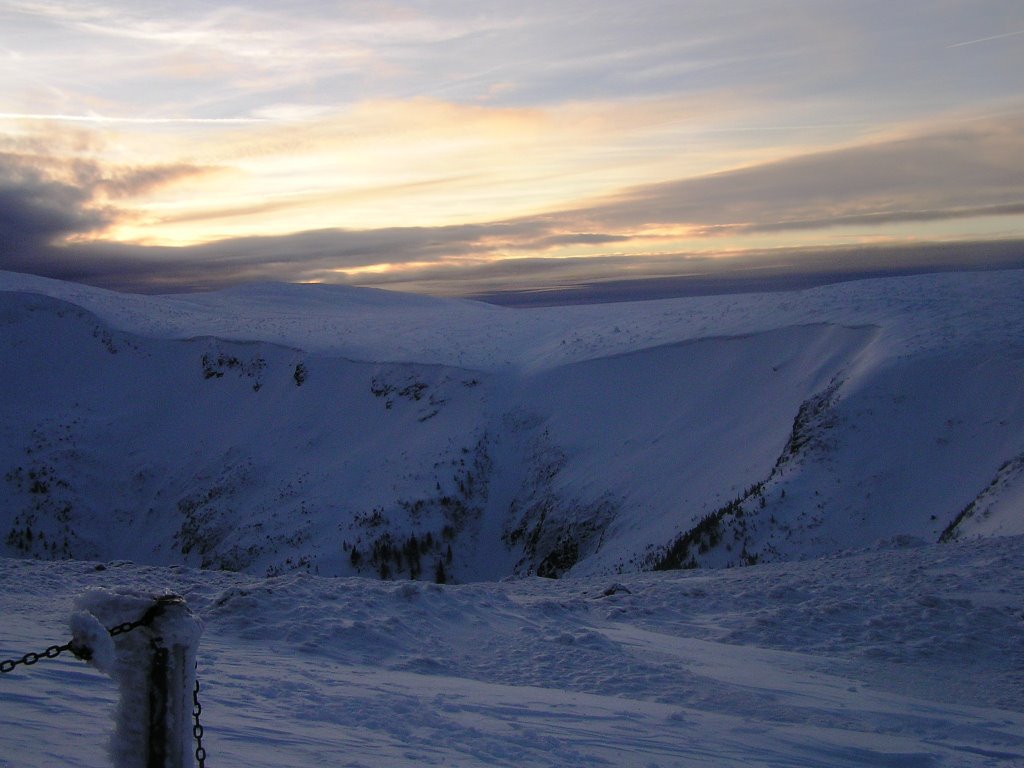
[889, 657]
[825, 438]
[342, 431]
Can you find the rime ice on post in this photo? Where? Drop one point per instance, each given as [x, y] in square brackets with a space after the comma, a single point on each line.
[153, 662]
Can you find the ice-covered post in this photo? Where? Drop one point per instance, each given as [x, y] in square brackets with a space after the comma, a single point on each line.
[148, 645]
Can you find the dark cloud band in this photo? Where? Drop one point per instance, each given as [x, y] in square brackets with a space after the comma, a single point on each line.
[969, 171]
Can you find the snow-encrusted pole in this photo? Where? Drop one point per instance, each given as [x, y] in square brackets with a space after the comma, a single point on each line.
[151, 653]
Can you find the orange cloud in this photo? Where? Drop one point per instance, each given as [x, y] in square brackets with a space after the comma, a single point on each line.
[421, 162]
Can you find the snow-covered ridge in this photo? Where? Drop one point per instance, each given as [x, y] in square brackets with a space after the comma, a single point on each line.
[918, 313]
[337, 430]
[828, 437]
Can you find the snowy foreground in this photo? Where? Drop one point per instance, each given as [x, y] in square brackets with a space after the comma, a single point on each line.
[906, 655]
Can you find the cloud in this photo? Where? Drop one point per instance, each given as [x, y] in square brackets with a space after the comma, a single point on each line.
[868, 219]
[320, 255]
[965, 171]
[46, 200]
[580, 238]
[113, 119]
[622, 278]
[36, 209]
[128, 182]
[987, 39]
[974, 169]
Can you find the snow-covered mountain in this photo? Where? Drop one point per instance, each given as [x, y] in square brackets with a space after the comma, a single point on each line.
[347, 431]
[830, 438]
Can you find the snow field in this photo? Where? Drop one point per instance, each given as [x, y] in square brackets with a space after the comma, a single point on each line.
[899, 656]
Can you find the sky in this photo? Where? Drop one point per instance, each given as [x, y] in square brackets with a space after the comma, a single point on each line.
[457, 147]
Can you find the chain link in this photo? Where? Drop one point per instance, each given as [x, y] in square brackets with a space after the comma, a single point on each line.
[29, 659]
[197, 729]
[151, 614]
[8, 665]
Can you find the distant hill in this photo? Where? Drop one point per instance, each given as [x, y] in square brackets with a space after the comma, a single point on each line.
[337, 430]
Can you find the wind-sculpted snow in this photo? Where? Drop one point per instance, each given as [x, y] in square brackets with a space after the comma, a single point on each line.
[343, 431]
[905, 655]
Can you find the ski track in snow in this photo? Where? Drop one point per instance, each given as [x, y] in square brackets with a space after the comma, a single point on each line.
[899, 657]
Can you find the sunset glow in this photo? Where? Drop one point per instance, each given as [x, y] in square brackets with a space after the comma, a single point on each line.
[372, 143]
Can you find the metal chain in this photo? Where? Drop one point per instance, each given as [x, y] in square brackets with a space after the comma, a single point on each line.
[54, 651]
[29, 659]
[197, 729]
[8, 665]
